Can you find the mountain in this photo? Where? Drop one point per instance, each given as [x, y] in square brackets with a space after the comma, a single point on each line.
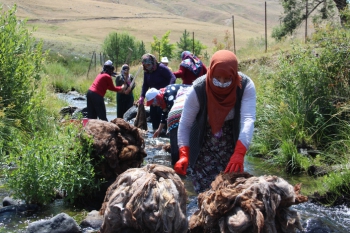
[80, 26]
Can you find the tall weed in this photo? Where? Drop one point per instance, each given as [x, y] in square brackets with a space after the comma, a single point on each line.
[302, 101]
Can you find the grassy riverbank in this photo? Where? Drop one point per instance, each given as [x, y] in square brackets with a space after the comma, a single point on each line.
[302, 113]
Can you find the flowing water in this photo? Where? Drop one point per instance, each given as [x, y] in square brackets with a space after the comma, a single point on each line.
[314, 218]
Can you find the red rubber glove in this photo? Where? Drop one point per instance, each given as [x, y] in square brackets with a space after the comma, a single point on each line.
[237, 159]
[181, 165]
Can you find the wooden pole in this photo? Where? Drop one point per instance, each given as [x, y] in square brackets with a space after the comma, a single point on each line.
[95, 60]
[193, 42]
[265, 28]
[92, 57]
[117, 54]
[159, 51]
[306, 15]
[234, 36]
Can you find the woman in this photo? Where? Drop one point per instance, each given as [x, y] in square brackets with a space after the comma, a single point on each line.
[124, 100]
[166, 99]
[156, 75]
[217, 122]
[191, 67]
[95, 96]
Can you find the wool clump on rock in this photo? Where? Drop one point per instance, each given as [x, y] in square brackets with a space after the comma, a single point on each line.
[118, 144]
[145, 200]
[238, 202]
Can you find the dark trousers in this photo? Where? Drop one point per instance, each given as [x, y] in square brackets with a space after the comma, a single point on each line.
[96, 106]
[124, 102]
[174, 148]
[155, 113]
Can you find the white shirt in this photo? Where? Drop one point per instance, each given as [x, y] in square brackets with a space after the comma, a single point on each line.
[248, 111]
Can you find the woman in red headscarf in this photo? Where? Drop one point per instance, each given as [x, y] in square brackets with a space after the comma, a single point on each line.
[217, 122]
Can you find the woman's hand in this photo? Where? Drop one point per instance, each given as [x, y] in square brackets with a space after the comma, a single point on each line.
[156, 134]
[127, 91]
[159, 130]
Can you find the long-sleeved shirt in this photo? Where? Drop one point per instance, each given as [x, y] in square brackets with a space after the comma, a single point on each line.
[248, 111]
[159, 78]
[169, 97]
[102, 83]
[188, 76]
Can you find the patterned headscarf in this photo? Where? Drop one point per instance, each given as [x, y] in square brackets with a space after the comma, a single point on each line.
[149, 59]
[122, 72]
[221, 100]
[191, 62]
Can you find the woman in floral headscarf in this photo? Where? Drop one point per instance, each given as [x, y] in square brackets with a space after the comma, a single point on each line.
[124, 100]
[217, 122]
[156, 75]
[190, 68]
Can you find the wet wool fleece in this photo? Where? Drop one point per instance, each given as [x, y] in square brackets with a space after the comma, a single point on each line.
[242, 203]
[141, 118]
[118, 142]
[145, 200]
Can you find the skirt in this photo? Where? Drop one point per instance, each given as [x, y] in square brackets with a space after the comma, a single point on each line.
[213, 157]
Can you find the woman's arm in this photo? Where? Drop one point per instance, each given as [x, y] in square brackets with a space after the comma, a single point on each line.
[188, 116]
[248, 114]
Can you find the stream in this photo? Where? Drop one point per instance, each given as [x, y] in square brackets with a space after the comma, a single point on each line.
[314, 218]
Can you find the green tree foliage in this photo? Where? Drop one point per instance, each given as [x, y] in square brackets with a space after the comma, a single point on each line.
[162, 47]
[45, 156]
[123, 48]
[186, 44]
[296, 11]
[21, 61]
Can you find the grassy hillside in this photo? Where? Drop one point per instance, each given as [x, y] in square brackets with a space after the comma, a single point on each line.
[80, 26]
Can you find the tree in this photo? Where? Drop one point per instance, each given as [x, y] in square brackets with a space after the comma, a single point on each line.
[186, 44]
[162, 47]
[21, 64]
[117, 47]
[296, 11]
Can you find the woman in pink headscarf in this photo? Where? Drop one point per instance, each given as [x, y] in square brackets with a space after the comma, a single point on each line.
[217, 122]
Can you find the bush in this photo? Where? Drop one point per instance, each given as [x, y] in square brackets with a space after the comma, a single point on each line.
[50, 164]
[20, 63]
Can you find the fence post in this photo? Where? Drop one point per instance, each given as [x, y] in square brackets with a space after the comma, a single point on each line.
[117, 54]
[159, 51]
[265, 29]
[306, 16]
[87, 75]
[95, 60]
[233, 32]
[193, 43]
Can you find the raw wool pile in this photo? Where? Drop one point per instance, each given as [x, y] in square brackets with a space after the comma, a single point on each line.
[145, 200]
[242, 203]
[120, 143]
[141, 118]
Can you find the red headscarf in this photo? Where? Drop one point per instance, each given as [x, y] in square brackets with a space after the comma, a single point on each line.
[221, 100]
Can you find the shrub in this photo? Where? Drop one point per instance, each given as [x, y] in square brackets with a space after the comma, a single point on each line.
[50, 164]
